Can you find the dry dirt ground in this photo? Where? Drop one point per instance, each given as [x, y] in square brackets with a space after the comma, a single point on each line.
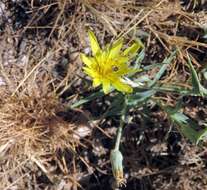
[46, 145]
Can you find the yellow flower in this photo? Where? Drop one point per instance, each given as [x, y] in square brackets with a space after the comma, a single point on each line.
[108, 66]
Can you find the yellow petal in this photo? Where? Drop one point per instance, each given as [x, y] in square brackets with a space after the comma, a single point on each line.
[131, 51]
[86, 60]
[115, 49]
[94, 43]
[89, 72]
[96, 82]
[103, 57]
[120, 86]
[106, 86]
[122, 59]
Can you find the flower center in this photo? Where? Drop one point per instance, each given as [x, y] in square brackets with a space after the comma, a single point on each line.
[104, 71]
[115, 68]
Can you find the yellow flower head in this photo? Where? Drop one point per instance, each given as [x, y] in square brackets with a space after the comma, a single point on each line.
[108, 66]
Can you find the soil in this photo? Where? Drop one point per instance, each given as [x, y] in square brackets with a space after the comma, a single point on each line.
[46, 145]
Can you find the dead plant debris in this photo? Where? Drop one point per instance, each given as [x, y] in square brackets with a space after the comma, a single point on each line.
[46, 145]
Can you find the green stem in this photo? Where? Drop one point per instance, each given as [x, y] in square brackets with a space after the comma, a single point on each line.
[120, 129]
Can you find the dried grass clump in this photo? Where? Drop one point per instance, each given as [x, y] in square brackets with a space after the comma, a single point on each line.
[34, 119]
[38, 135]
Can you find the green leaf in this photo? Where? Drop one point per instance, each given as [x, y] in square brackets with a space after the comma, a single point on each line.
[139, 97]
[197, 87]
[202, 135]
[116, 106]
[140, 58]
[137, 64]
[187, 126]
[163, 68]
[173, 89]
[152, 66]
[205, 73]
[88, 99]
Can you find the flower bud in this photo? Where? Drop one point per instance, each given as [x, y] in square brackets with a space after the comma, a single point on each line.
[116, 159]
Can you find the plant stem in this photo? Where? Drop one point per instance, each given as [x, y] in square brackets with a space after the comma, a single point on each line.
[120, 129]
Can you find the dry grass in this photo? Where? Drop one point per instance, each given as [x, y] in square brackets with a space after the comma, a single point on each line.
[36, 133]
[37, 130]
[41, 142]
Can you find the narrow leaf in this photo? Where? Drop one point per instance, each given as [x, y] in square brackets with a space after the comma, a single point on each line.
[88, 99]
[139, 97]
[197, 87]
[163, 68]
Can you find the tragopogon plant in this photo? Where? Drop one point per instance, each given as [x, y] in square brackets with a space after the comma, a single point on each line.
[109, 67]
